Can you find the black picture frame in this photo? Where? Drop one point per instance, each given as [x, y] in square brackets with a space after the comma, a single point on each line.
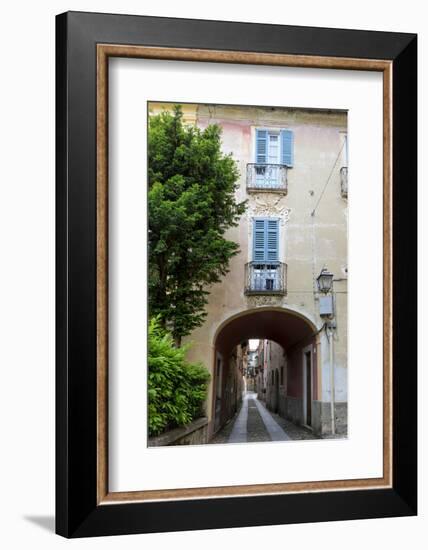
[77, 511]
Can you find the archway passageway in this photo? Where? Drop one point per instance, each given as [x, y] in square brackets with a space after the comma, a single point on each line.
[258, 390]
[283, 326]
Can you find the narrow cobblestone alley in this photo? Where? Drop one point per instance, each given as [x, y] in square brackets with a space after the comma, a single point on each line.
[254, 423]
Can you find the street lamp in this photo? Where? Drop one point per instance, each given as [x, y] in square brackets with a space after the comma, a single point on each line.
[325, 281]
[325, 285]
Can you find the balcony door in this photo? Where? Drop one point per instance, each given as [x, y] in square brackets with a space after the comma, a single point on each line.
[265, 271]
[273, 151]
[267, 175]
[273, 148]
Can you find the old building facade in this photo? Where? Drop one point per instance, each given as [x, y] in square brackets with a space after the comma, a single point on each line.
[293, 175]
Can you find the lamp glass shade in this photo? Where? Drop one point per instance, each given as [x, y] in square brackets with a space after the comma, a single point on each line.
[325, 281]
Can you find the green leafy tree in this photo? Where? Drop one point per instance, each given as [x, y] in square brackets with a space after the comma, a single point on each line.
[191, 205]
[177, 389]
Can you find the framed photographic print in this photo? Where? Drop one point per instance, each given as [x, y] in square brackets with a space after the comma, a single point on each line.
[236, 243]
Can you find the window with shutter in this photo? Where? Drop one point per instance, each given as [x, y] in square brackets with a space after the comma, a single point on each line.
[265, 273]
[265, 240]
[273, 156]
[267, 143]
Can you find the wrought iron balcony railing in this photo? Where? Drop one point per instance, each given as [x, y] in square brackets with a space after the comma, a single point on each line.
[344, 182]
[265, 278]
[267, 176]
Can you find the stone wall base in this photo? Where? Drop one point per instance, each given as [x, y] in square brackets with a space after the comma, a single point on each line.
[195, 433]
[321, 418]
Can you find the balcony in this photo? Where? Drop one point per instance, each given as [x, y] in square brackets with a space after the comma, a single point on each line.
[265, 278]
[344, 182]
[267, 177]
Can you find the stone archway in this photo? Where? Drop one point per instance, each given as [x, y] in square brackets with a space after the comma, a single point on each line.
[289, 328]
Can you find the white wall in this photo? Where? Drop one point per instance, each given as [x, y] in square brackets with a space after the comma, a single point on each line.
[27, 271]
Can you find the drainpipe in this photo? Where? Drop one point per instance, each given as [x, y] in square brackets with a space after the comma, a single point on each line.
[330, 341]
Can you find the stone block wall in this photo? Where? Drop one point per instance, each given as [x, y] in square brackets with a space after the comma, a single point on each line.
[195, 433]
[341, 412]
[321, 418]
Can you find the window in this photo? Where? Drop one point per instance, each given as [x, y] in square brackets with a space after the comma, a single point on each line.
[265, 240]
[265, 272]
[273, 154]
[274, 147]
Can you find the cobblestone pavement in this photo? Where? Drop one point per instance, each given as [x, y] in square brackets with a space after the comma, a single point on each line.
[295, 432]
[256, 429]
[248, 425]
[223, 435]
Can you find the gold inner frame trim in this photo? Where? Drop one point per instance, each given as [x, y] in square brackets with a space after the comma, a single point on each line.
[104, 51]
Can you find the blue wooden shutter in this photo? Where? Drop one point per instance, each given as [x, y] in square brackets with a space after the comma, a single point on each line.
[265, 240]
[272, 240]
[287, 146]
[259, 241]
[261, 146]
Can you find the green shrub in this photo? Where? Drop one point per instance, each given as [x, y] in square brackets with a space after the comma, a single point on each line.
[176, 388]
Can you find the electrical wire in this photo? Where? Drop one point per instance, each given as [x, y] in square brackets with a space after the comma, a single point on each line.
[328, 179]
